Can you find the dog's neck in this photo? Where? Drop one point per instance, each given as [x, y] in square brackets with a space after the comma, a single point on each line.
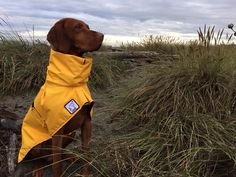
[71, 51]
[76, 53]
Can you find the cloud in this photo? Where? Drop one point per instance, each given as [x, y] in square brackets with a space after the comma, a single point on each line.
[129, 18]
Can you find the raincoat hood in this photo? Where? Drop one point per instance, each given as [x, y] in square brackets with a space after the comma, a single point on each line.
[63, 94]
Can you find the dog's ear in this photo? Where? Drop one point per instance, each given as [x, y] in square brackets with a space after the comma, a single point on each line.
[58, 38]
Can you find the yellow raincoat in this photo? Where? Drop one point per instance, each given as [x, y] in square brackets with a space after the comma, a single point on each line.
[64, 93]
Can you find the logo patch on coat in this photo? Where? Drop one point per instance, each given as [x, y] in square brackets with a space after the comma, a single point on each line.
[72, 106]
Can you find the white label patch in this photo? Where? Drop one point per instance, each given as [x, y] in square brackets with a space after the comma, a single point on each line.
[71, 106]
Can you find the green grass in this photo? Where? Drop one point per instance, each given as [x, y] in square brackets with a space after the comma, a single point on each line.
[23, 67]
[106, 72]
[185, 113]
[160, 44]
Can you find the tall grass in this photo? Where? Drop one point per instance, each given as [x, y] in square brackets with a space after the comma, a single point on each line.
[106, 72]
[160, 44]
[208, 36]
[186, 111]
[23, 64]
[22, 61]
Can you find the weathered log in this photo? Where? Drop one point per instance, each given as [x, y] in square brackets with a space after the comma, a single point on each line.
[136, 55]
[10, 124]
[9, 129]
[11, 153]
[5, 114]
[8, 120]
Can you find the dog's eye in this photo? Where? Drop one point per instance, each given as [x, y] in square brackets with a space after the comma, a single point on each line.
[77, 29]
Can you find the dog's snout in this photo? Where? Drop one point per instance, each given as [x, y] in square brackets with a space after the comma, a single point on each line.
[100, 35]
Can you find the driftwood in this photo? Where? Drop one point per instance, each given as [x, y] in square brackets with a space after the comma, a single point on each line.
[9, 124]
[11, 153]
[9, 129]
[8, 120]
[136, 55]
[4, 113]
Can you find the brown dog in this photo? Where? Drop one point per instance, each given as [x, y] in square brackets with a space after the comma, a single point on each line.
[68, 36]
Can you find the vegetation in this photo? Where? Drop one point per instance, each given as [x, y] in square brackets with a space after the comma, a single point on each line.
[106, 71]
[161, 44]
[182, 111]
[23, 67]
[185, 113]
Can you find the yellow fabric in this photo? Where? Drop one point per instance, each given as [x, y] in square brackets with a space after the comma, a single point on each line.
[67, 77]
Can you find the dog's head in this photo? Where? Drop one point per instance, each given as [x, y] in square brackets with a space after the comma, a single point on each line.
[74, 37]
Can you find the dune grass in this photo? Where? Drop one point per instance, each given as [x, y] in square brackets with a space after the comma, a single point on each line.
[160, 44]
[23, 66]
[106, 72]
[185, 113]
[183, 110]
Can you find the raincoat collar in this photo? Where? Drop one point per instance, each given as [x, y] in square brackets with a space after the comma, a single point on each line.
[68, 70]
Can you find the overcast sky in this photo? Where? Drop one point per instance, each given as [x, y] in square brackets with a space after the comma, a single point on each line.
[124, 20]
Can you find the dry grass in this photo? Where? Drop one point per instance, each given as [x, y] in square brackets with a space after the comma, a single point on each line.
[160, 44]
[185, 112]
[23, 65]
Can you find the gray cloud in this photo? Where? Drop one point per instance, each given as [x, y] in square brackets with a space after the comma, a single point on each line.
[126, 18]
